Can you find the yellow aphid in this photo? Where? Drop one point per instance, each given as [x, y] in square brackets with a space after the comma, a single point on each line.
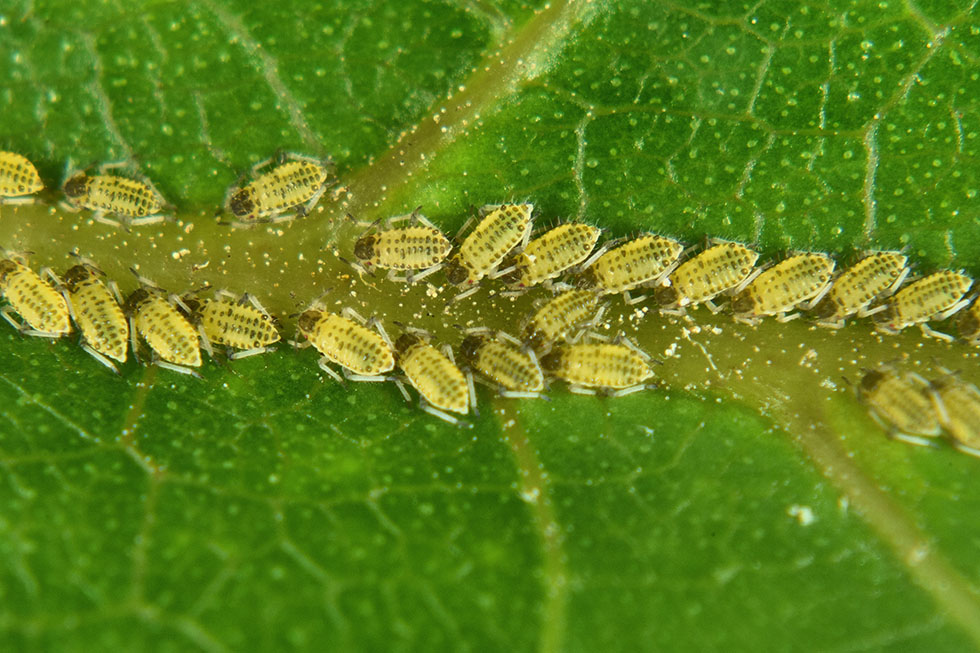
[599, 366]
[135, 201]
[559, 316]
[241, 324]
[440, 383]
[552, 253]
[98, 315]
[166, 331]
[363, 353]
[900, 405]
[419, 247]
[958, 407]
[42, 308]
[969, 323]
[934, 297]
[501, 229]
[516, 372]
[784, 286]
[856, 287]
[642, 261]
[18, 179]
[295, 185]
[698, 280]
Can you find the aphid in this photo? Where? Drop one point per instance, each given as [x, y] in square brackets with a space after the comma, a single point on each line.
[134, 201]
[559, 316]
[18, 179]
[168, 333]
[441, 385]
[856, 287]
[552, 253]
[503, 226]
[783, 287]
[96, 311]
[933, 297]
[619, 268]
[501, 360]
[420, 248]
[957, 405]
[43, 309]
[969, 323]
[346, 339]
[293, 186]
[615, 368]
[721, 267]
[240, 323]
[900, 405]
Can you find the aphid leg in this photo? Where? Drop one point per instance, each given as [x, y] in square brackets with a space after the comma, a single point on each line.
[632, 301]
[351, 314]
[892, 289]
[114, 165]
[446, 417]
[49, 273]
[7, 314]
[175, 300]
[952, 309]
[622, 392]
[521, 394]
[596, 254]
[147, 220]
[929, 332]
[464, 294]
[245, 353]
[749, 279]
[322, 364]
[69, 206]
[376, 323]
[282, 217]
[276, 158]
[581, 390]
[424, 220]
[255, 303]
[884, 328]
[364, 378]
[177, 368]
[787, 317]
[393, 276]
[621, 339]
[306, 208]
[486, 209]
[970, 451]
[497, 273]
[205, 342]
[401, 388]
[358, 267]
[867, 312]
[711, 306]
[506, 337]
[448, 352]
[527, 236]
[472, 391]
[911, 439]
[810, 305]
[747, 319]
[463, 228]
[99, 216]
[426, 272]
[99, 357]
[133, 340]
[16, 201]
[839, 324]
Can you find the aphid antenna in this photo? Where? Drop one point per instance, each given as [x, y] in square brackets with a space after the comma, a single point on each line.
[143, 281]
[929, 332]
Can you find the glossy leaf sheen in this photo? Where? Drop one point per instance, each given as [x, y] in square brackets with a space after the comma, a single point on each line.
[750, 504]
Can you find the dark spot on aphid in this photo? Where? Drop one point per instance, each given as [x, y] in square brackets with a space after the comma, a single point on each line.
[6, 267]
[136, 298]
[514, 276]
[77, 186]
[308, 320]
[824, 309]
[470, 346]
[871, 380]
[884, 316]
[364, 247]
[456, 272]
[534, 338]
[76, 275]
[552, 361]
[193, 306]
[588, 279]
[241, 203]
[666, 295]
[743, 303]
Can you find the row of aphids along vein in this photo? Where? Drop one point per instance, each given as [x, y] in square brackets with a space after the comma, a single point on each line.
[556, 341]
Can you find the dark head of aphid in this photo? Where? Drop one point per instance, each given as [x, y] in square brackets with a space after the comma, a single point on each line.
[969, 325]
[456, 272]
[666, 295]
[77, 186]
[588, 279]
[552, 361]
[135, 299]
[470, 346]
[76, 275]
[885, 316]
[871, 380]
[824, 309]
[241, 203]
[515, 276]
[534, 338]
[6, 267]
[364, 247]
[405, 342]
[743, 303]
[308, 321]
[191, 308]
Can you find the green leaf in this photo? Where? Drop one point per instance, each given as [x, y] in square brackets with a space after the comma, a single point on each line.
[750, 503]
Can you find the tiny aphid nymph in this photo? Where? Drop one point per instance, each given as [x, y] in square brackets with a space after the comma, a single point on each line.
[856, 287]
[240, 323]
[614, 368]
[900, 405]
[111, 197]
[365, 354]
[781, 288]
[640, 262]
[560, 316]
[515, 372]
[957, 405]
[18, 179]
[721, 267]
[43, 309]
[552, 253]
[500, 230]
[418, 248]
[933, 297]
[96, 311]
[168, 333]
[441, 385]
[291, 188]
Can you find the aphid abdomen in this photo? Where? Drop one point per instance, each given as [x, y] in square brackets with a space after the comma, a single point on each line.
[899, 402]
[120, 196]
[288, 185]
[958, 409]
[557, 250]
[99, 318]
[410, 248]
[41, 306]
[436, 378]
[493, 238]
[857, 286]
[506, 365]
[641, 261]
[785, 285]
[352, 346]
[167, 332]
[559, 316]
[599, 365]
[18, 176]
[719, 268]
[926, 299]
[239, 326]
